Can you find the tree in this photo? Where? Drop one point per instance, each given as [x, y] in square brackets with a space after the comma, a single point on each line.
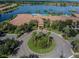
[32, 25]
[66, 30]
[75, 45]
[8, 47]
[61, 25]
[69, 22]
[23, 27]
[73, 33]
[55, 25]
[47, 23]
[10, 28]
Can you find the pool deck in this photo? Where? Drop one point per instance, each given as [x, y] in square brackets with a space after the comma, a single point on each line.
[26, 18]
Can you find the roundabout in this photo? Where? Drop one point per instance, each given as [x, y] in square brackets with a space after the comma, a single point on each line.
[61, 47]
[41, 42]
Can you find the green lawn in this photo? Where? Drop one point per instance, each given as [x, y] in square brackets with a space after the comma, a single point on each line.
[38, 48]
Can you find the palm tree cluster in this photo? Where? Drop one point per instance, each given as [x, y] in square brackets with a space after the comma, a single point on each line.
[41, 39]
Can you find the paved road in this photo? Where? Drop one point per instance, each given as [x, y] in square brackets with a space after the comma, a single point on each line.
[62, 47]
[23, 48]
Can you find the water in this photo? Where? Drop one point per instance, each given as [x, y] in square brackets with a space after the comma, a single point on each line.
[45, 0]
[42, 9]
[53, 0]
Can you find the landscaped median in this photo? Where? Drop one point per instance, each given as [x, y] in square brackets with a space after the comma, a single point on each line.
[41, 42]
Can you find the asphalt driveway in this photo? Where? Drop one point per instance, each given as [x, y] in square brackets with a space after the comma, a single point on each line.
[62, 47]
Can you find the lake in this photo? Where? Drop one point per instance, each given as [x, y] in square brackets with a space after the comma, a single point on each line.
[41, 9]
[45, 0]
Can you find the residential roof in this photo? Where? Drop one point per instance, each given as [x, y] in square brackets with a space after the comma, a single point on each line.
[25, 18]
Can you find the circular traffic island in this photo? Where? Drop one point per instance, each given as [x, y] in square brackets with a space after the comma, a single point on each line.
[41, 42]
